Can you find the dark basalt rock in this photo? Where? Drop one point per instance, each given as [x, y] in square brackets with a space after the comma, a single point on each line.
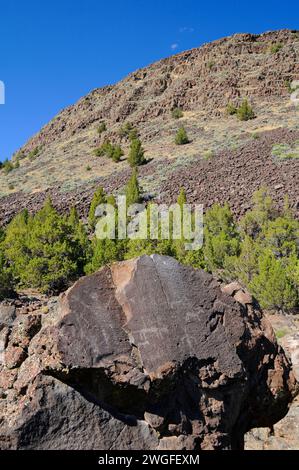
[145, 354]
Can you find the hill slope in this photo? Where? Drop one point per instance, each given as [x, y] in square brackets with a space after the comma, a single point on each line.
[202, 82]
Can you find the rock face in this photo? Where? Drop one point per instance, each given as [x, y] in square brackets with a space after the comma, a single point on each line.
[145, 354]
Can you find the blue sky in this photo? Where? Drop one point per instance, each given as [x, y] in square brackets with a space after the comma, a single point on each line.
[54, 52]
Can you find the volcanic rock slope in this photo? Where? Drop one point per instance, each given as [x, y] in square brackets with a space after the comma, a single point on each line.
[225, 160]
[145, 354]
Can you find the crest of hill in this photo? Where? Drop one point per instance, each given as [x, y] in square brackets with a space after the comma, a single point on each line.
[201, 82]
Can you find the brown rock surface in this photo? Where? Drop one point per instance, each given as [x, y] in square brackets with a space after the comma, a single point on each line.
[284, 435]
[146, 354]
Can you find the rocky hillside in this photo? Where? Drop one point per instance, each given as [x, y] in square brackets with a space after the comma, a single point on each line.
[59, 160]
[145, 354]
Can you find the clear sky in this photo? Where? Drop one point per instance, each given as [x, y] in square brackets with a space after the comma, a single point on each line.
[52, 52]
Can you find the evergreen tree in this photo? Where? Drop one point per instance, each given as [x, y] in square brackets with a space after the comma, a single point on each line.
[181, 137]
[52, 261]
[82, 250]
[6, 279]
[140, 247]
[15, 244]
[281, 235]
[117, 153]
[245, 111]
[182, 198]
[272, 286]
[263, 211]
[245, 266]
[103, 252]
[136, 153]
[99, 197]
[106, 149]
[221, 237]
[133, 192]
[45, 251]
[231, 109]
[177, 113]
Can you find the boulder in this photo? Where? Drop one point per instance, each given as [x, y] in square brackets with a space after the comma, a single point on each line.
[144, 354]
[7, 315]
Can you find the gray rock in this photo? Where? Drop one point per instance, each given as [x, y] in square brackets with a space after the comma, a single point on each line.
[7, 315]
[144, 354]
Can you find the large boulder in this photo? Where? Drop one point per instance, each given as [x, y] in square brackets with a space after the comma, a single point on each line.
[145, 354]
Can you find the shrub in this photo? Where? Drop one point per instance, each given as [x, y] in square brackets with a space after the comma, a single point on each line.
[7, 166]
[181, 137]
[127, 130]
[104, 150]
[117, 153]
[102, 128]
[274, 48]
[231, 109]
[208, 154]
[43, 250]
[136, 153]
[34, 153]
[245, 111]
[177, 113]
[255, 135]
[271, 285]
[109, 150]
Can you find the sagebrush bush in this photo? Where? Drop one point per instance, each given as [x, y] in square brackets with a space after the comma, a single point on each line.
[177, 113]
[102, 128]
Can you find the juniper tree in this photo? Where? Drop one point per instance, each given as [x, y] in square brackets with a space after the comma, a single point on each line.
[99, 197]
[6, 278]
[272, 286]
[245, 111]
[133, 192]
[136, 153]
[221, 238]
[181, 137]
